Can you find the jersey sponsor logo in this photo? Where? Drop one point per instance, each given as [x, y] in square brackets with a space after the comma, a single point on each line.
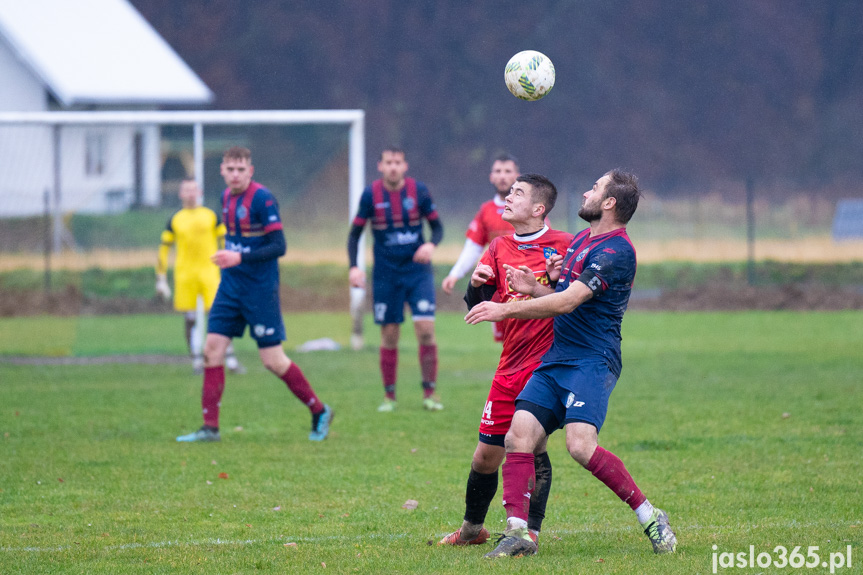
[526, 246]
[242, 212]
[609, 250]
[570, 401]
[548, 252]
[237, 247]
[402, 238]
[583, 253]
[382, 205]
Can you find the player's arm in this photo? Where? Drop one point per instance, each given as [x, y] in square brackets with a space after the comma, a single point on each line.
[423, 255]
[470, 254]
[167, 240]
[552, 305]
[479, 290]
[357, 276]
[273, 247]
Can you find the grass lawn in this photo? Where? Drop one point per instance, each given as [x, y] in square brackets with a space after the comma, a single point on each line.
[745, 427]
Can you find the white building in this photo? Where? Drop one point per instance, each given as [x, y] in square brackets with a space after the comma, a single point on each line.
[63, 55]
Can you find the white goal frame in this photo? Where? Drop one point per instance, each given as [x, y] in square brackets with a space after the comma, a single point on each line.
[355, 119]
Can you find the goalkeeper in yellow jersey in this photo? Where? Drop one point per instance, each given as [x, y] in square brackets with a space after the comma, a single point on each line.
[197, 233]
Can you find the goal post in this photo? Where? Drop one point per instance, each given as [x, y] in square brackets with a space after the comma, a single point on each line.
[145, 125]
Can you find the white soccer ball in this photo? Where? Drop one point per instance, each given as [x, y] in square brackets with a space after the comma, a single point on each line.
[529, 75]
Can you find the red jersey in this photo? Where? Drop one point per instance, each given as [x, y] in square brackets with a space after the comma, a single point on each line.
[488, 224]
[524, 340]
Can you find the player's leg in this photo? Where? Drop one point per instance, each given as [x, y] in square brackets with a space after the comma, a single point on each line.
[519, 479]
[587, 404]
[420, 294]
[389, 302]
[275, 360]
[185, 301]
[213, 387]
[479, 493]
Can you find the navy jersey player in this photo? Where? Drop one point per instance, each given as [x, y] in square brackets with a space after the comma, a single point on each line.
[572, 385]
[396, 206]
[249, 295]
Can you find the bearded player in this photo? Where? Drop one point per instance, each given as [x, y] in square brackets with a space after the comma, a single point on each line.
[532, 247]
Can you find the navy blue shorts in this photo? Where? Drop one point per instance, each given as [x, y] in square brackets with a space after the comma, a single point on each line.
[576, 392]
[261, 311]
[392, 289]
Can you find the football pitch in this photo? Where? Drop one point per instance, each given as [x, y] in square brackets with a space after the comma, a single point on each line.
[745, 427]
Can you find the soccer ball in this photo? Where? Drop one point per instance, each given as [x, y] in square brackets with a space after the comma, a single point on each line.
[529, 75]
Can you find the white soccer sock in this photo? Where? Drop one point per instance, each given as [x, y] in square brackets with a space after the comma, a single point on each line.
[515, 523]
[644, 512]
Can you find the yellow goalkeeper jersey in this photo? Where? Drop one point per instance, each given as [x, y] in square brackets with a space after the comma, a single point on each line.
[197, 234]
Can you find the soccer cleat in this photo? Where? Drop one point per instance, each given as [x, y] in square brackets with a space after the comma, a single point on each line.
[388, 406]
[513, 543]
[234, 366]
[432, 404]
[321, 427]
[203, 434]
[660, 534]
[454, 538]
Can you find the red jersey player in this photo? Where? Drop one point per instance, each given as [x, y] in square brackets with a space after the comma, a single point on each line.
[532, 247]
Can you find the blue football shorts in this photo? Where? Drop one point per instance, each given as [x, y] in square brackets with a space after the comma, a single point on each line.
[260, 310]
[393, 288]
[576, 392]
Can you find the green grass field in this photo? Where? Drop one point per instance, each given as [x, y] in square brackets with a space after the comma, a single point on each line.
[745, 427]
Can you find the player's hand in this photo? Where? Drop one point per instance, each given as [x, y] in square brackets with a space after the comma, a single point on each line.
[481, 275]
[521, 280]
[163, 290]
[357, 277]
[424, 253]
[226, 259]
[553, 266]
[448, 284]
[485, 311]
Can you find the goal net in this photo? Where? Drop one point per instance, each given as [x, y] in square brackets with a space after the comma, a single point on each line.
[101, 185]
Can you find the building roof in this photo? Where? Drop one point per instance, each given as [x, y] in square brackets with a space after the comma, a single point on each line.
[98, 52]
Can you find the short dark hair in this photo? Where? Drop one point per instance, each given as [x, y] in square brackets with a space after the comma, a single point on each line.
[542, 190]
[505, 157]
[623, 187]
[394, 150]
[237, 153]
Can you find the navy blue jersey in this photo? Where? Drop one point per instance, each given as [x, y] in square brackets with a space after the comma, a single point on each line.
[396, 221]
[606, 264]
[248, 218]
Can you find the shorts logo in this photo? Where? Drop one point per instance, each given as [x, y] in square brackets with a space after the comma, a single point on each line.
[380, 311]
[242, 212]
[424, 306]
[262, 330]
[570, 401]
[548, 252]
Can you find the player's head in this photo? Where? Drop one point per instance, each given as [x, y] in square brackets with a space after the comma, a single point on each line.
[504, 171]
[189, 193]
[531, 197]
[616, 192]
[237, 169]
[393, 166]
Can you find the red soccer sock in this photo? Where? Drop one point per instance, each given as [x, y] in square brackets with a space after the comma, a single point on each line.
[389, 365]
[428, 368]
[608, 468]
[299, 386]
[519, 478]
[211, 395]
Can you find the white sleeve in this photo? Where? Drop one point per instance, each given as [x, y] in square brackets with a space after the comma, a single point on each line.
[470, 254]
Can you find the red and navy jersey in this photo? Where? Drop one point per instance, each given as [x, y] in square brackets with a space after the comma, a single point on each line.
[248, 217]
[524, 340]
[488, 223]
[606, 264]
[396, 219]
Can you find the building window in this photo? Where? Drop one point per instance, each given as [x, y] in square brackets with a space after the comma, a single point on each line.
[95, 154]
